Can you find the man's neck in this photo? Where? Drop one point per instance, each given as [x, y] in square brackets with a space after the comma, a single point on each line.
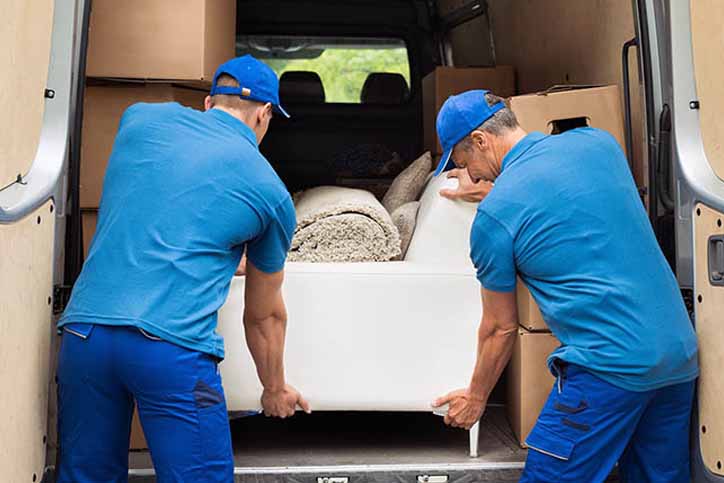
[238, 115]
[507, 143]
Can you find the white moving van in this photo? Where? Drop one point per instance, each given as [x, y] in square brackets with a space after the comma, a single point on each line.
[665, 56]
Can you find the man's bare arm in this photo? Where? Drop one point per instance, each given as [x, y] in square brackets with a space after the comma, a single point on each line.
[265, 322]
[467, 190]
[496, 336]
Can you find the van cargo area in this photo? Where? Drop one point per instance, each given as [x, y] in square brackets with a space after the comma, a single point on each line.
[366, 446]
[359, 126]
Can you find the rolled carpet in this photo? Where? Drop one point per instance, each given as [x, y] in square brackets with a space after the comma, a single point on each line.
[336, 224]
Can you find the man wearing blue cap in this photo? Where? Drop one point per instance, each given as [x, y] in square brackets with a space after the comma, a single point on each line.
[565, 216]
[185, 194]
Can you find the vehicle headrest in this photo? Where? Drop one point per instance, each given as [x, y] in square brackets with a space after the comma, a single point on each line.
[301, 87]
[384, 88]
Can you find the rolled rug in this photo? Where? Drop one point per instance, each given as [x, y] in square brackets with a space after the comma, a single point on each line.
[336, 224]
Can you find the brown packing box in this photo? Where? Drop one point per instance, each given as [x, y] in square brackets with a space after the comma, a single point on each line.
[444, 82]
[160, 39]
[599, 106]
[138, 439]
[102, 110]
[529, 380]
[529, 314]
[89, 219]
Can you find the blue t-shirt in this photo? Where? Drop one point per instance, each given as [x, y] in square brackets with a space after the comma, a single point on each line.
[184, 194]
[565, 215]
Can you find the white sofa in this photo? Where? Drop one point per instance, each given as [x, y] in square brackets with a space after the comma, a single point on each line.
[373, 336]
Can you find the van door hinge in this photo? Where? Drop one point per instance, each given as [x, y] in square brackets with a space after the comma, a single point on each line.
[61, 296]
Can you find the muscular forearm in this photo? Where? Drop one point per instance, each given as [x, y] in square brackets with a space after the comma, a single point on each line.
[265, 338]
[495, 346]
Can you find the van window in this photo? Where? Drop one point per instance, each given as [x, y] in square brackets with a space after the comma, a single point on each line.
[334, 70]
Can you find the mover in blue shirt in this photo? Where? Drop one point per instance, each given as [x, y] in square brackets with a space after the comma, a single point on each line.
[564, 214]
[185, 194]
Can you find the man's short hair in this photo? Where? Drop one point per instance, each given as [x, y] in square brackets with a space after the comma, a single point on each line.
[502, 121]
[231, 101]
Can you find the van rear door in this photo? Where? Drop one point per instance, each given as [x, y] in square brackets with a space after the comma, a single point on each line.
[684, 58]
[37, 74]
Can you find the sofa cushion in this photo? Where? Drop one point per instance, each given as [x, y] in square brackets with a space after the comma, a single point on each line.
[404, 219]
[408, 184]
[442, 233]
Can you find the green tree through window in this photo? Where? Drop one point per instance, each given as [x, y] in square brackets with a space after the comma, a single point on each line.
[343, 71]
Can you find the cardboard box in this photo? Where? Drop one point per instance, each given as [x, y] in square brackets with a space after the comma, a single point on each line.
[598, 107]
[160, 39]
[102, 110]
[529, 380]
[138, 439]
[89, 220]
[529, 315]
[444, 82]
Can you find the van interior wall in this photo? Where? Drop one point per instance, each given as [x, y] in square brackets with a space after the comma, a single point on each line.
[557, 42]
[26, 246]
[563, 42]
[707, 17]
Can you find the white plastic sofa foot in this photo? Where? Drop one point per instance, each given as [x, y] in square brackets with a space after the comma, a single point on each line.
[474, 437]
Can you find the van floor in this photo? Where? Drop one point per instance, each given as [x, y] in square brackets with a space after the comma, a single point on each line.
[363, 444]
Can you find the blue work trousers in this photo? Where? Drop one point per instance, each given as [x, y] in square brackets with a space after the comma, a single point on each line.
[588, 425]
[102, 370]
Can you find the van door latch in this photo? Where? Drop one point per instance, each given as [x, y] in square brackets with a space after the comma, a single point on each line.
[716, 260]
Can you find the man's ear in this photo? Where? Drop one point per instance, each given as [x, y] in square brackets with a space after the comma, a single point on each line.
[265, 113]
[480, 139]
[207, 103]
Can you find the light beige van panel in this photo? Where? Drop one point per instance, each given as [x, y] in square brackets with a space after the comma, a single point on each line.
[26, 247]
[25, 38]
[25, 312]
[710, 332]
[707, 26]
[570, 42]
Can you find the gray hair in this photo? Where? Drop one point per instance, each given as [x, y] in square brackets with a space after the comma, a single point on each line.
[502, 121]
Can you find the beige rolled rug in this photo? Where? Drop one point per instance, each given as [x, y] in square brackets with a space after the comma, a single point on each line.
[336, 224]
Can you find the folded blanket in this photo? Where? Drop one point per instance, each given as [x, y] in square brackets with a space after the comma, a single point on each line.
[336, 224]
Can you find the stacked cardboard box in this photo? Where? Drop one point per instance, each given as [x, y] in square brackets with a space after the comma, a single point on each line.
[562, 108]
[145, 51]
[160, 39]
[529, 380]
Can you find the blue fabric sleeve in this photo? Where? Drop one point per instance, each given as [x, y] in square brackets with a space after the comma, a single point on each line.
[268, 251]
[491, 250]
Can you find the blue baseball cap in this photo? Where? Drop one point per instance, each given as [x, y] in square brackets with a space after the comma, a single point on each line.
[459, 116]
[257, 82]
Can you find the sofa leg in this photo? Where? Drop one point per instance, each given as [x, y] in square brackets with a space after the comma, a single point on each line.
[474, 436]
